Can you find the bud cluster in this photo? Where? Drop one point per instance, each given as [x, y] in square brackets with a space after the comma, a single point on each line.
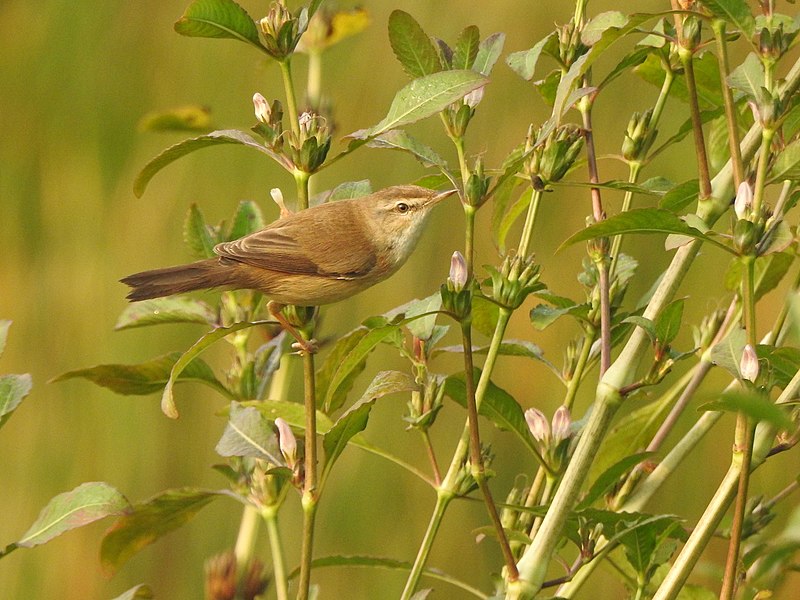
[773, 43]
[309, 147]
[750, 224]
[425, 404]
[224, 582]
[477, 186]
[691, 32]
[570, 46]
[281, 31]
[704, 334]
[639, 137]
[514, 281]
[551, 159]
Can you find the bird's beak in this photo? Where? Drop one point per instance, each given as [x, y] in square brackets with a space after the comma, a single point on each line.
[442, 195]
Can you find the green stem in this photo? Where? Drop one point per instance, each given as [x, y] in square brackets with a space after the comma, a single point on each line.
[270, 516]
[574, 383]
[718, 25]
[291, 99]
[761, 170]
[443, 498]
[633, 174]
[314, 83]
[310, 492]
[530, 219]
[687, 61]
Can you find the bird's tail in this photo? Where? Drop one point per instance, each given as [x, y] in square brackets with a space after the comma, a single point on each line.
[176, 280]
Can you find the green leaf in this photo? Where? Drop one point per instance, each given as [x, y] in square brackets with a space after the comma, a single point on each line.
[397, 139]
[248, 433]
[175, 309]
[167, 400]
[4, 326]
[524, 63]
[728, 352]
[352, 362]
[412, 46]
[183, 118]
[651, 187]
[466, 50]
[668, 324]
[748, 77]
[646, 324]
[423, 328]
[735, 12]
[610, 477]
[784, 363]
[769, 271]
[139, 592]
[218, 19]
[350, 189]
[641, 220]
[200, 238]
[498, 406]
[13, 390]
[85, 504]
[325, 374]
[755, 405]
[148, 521]
[707, 79]
[594, 29]
[424, 97]
[485, 315]
[630, 435]
[647, 547]
[787, 163]
[489, 51]
[510, 217]
[146, 377]
[353, 421]
[247, 219]
[215, 138]
[386, 563]
[681, 196]
[631, 60]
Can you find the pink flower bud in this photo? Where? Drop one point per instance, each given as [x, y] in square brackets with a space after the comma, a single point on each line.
[262, 109]
[458, 271]
[277, 197]
[287, 442]
[748, 366]
[561, 424]
[538, 424]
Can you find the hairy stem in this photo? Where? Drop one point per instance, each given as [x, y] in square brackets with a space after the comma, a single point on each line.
[310, 492]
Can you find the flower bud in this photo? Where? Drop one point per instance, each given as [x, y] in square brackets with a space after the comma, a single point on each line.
[458, 272]
[270, 117]
[639, 137]
[277, 197]
[539, 425]
[261, 108]
[704, 334]
[570, 47]
[692, 31]
[551, 160]
[286, 442]
[310, 146]
[745, 236]
[748, 365]
[562, 420]
[281, 30]
[514, 281]
[744, 200]
[477, 186]
[223, 582]
[474, 98]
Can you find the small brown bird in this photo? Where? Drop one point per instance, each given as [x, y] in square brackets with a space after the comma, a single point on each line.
[312, 257]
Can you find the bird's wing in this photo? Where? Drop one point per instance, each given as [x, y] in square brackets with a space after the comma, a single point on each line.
[292, 246]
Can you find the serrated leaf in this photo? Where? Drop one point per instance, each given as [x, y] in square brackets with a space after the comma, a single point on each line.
[176, 151]
[218, 19]
[182, 118]
[641, 220]
[524, 63]
[247, 219]
[424, 97]
[198, 236]
[680, 196]
[190, 356]
[668, 324]
[735, 12]
[755, 405]
[748, 77]
[148, 521]
[175, 309]
[466, 50]
[139, 592]
[498, 406]
[489, 51]
[412, 46]
[13, 390]
[85, 504]
[147, 377]
[398, 139]
[248, 433]
[728, 352]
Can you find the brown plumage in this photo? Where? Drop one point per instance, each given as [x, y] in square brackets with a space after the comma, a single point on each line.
[315, 256]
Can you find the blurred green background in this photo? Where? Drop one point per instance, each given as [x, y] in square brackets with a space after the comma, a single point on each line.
[75, 78]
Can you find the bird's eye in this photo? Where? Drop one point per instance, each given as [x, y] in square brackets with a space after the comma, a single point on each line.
[402, 207]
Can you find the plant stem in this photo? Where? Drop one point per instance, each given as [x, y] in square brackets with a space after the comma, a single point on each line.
[527, 229]
[314, 82]
[291, 99]
[270, 516]
[246, 541]
[310, 492]
[476, 460]
[761, 170]
[443, 498]
[697, 124]
[586, 349]
[718, 25]
[437, 474]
